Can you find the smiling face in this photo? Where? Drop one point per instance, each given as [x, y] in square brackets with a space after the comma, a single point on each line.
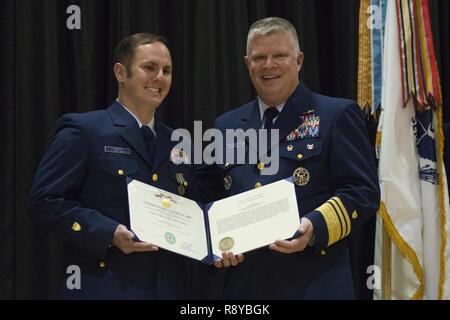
[274, 63]
[147, 82]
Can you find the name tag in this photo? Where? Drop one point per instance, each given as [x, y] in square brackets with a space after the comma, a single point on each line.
[119, 150]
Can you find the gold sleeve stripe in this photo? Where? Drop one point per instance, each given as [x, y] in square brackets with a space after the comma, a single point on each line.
[335, 231]
[340, 215]
[347, 217]
[336, 221]
[336, 218]
[332, 222]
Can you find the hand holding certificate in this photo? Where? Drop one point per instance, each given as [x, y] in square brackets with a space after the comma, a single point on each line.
[239, 223]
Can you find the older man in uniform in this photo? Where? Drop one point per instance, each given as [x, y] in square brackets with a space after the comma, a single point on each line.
[324, 146]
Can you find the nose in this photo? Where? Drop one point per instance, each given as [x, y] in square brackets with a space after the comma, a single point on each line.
[269, 62]
[159, 74]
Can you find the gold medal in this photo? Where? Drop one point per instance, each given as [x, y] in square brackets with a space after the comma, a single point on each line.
[301, 176]
[226, 244]
[181, 190]
[179, 177]
[166, 202]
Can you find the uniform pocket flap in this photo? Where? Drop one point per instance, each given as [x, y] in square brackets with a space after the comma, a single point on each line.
[118, 165]
[301, 150]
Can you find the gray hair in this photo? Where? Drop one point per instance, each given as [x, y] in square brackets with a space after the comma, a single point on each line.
[272, 25]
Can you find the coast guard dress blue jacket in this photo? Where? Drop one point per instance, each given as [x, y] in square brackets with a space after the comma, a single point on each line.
[325, 148]
[80, 193]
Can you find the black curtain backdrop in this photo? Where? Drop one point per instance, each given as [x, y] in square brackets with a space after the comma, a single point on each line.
[48, 70]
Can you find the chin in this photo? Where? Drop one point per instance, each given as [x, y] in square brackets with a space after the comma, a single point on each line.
[155, 104]
[154, 101]
[271, 94]
[271, 89]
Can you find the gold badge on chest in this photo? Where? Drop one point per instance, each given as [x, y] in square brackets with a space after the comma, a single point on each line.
[301, 176]
[182, 183]
[181, 190]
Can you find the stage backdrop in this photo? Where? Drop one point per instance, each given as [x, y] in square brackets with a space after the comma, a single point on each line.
[49, 69]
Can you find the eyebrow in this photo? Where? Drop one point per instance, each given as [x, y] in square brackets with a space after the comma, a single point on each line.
[152, 63]
[149, 62]
[258, 55]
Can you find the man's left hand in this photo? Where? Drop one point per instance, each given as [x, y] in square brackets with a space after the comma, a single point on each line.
[296, 244]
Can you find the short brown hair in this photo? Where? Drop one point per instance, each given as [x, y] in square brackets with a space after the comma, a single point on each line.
[124, 51]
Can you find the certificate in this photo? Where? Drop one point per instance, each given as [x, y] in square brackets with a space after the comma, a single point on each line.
[237, 224]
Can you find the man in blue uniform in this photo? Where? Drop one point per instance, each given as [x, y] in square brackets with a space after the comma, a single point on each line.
[80, 190]
[323, 145]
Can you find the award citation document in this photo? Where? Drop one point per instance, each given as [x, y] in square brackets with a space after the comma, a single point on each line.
[237, 224]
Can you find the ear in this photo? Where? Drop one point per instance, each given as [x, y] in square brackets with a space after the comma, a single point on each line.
[247, 62]
[120, 72]
[300, 57]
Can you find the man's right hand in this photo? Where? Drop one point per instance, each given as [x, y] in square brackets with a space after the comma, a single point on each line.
[123, 239]
[229, 259]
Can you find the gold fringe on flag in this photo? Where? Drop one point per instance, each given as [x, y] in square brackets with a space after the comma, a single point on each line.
[407, 252]
[364, 60]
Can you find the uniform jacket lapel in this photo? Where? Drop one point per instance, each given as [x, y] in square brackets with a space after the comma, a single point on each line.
[251, 119]
[163, 143]
[131, 132]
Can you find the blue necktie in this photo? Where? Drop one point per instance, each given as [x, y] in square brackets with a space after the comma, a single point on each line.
[269, 115]
[150, 141]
